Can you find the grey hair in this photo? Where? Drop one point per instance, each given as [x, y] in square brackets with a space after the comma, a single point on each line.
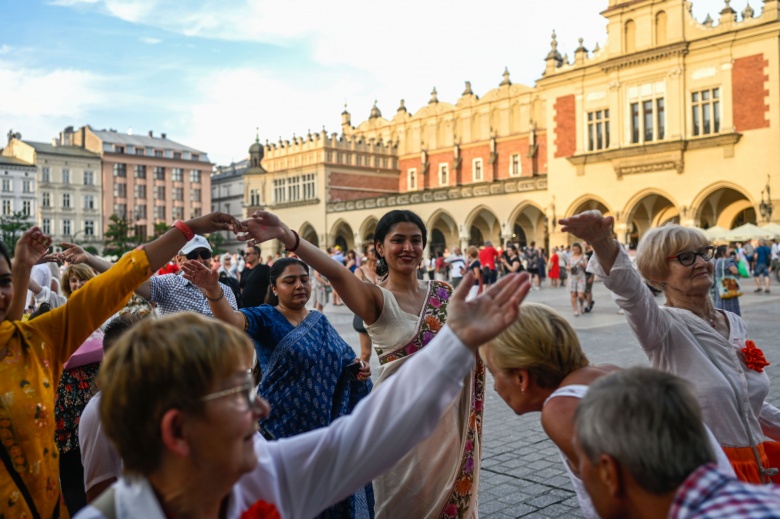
[649, 422]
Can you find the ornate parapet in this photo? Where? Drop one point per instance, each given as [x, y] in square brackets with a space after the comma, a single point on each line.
[501, 187]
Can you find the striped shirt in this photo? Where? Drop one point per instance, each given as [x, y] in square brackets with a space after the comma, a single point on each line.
[173, 294]
[709, 494]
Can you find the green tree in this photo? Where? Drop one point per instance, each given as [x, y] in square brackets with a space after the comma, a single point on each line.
[216, 239]
[11, 228]
[118, 237]
[160, 228]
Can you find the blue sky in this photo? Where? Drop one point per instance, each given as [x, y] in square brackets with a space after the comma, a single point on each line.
[208, 72]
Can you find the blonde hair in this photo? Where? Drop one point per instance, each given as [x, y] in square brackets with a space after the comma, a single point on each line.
[540, 341]
[158, 365]
[661, 242]
[472, 252]
[81, 271]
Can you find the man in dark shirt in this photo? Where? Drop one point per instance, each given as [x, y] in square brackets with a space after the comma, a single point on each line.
[255, 279]
[761, 257]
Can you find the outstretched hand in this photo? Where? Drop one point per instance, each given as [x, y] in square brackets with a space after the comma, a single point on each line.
[263, 226]
[590, 226]
[73, 253]
[32, 246]
[200, 275]
[477, 321]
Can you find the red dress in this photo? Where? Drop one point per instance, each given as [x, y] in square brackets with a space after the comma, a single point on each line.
[555, 269]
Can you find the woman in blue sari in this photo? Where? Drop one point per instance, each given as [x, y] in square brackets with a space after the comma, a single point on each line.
[307, 376]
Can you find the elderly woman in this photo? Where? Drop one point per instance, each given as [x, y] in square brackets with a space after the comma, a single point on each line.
[180, 406]
[538, 366]
[689, 337]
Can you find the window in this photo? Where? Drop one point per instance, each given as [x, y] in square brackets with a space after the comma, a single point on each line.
[629, 33]
[254, 197]
[120, 190]
[280, 190]
[139, 150]
[140, 191]
[119, 149]
[89, 201]
[647, 120]
[139, 231]
[411, 179]
[45, 176]
[7, 208]
[120, 170]
[178, 213]
[139, 171]
[196, 212]
[178, 193]
[65, 176]
[26, 207]
[130, 149]
[89, 178]
[26, 186]
[89, 228]
[195, 195]
[159, 193]
[177, 175]
[66, 201]
[706, 111]
[195, 156]
[121, 211]
[476, 170]
[515, 166]
[140, 212]
[158, 153]
[6, 185]
[46, 200]
[309, 187]
[159, 173]
[444, 174]
[159, 212]
[66, 227]
[194, 175]
[46, 226]
[177, 155]
[294, 188]
[598, 130]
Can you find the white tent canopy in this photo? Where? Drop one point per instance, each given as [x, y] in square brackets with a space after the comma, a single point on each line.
[749, 232]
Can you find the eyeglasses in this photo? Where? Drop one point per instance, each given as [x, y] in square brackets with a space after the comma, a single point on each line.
[688, 258]
[247, 390]
[199, 253]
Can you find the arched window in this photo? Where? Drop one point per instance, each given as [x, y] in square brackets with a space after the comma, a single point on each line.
[660, 28]
[630, 36]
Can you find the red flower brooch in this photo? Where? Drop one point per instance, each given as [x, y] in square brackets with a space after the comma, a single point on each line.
[262, 510]
[754, 357]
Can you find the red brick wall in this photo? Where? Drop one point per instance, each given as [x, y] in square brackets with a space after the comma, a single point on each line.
[405, 165]
[468, 155]
[565, 126]
[505, 152]
[540, 160]
[342, 195]
[362, 186]
[749, 97]
[432, 180]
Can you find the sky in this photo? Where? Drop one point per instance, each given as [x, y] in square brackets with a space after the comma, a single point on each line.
[210, 73]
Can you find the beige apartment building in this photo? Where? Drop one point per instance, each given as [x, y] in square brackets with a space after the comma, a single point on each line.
[669, 119]
[147, 179]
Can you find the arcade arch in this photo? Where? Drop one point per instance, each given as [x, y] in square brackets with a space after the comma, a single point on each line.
[724, 205]
[308, 233]
[647, 210]
[528, 224]
[341, 235]
[482, 225]
[442, 232]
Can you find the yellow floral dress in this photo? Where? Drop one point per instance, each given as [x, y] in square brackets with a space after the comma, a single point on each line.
[30, 371]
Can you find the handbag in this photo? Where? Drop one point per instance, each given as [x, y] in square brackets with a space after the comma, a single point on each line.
[743, 268]
[728, 286]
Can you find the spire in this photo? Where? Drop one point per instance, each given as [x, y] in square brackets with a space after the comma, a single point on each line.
[434, 97]
[467, 91]
[505, 81]
[581, 48]
[727, 9]
[748, 12]
[554, 54]
[375, 113]
[708, 21]
[401, 107]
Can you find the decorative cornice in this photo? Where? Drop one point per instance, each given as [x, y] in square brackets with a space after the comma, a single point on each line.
[644, 57]
[297, 203]
[501, 187]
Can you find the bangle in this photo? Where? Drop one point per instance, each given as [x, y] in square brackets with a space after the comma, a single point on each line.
[221, 295]
[185, 230]
[297, 242]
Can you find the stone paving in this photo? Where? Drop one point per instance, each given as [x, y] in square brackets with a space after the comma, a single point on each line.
[522, 474]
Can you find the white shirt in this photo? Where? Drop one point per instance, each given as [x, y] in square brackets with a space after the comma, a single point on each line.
[775, 251]
[302, 475]
[100, 459]
[457, 264]
[675, 340]
[41, 274]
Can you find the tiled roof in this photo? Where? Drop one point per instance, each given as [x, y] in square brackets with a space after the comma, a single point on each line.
[108, 136]
[72, 151]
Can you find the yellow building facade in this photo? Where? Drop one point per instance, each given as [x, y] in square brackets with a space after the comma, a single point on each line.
[671, 120]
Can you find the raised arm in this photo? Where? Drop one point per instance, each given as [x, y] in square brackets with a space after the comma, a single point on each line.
[596, 229]
[75, 253]
[364, 299]
[207, 281]
[30, 248]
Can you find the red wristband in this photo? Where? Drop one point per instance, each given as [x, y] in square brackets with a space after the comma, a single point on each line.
[185, 230]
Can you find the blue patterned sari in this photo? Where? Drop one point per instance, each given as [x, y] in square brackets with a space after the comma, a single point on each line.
[307, 386]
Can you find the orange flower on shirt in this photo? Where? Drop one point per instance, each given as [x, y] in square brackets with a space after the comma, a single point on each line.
[754, 357]
[261, 510]
[433, 323]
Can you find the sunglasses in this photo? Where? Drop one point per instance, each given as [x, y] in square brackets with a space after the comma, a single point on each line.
[688, 258]
[247, 390]
[200, 253]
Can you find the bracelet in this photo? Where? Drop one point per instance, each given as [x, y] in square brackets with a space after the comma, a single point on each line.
[221, 295]
[185, 229]
[297, 242]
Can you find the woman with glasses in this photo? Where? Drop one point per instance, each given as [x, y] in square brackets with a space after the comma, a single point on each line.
[310, 375]
[689, 337]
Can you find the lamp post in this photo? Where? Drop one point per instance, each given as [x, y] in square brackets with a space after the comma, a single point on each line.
[766, 206]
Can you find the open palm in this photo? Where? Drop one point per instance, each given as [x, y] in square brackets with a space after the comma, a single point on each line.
[32, 246]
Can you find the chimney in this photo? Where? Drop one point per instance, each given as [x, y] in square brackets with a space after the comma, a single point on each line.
[163, 136]
[151, 133]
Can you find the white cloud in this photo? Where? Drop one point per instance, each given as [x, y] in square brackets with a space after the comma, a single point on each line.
[4, 49]
[150, 40]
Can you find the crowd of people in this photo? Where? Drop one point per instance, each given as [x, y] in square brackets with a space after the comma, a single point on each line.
[174, 383]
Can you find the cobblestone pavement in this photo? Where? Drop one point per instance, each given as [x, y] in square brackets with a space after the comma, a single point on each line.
[522, 474]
